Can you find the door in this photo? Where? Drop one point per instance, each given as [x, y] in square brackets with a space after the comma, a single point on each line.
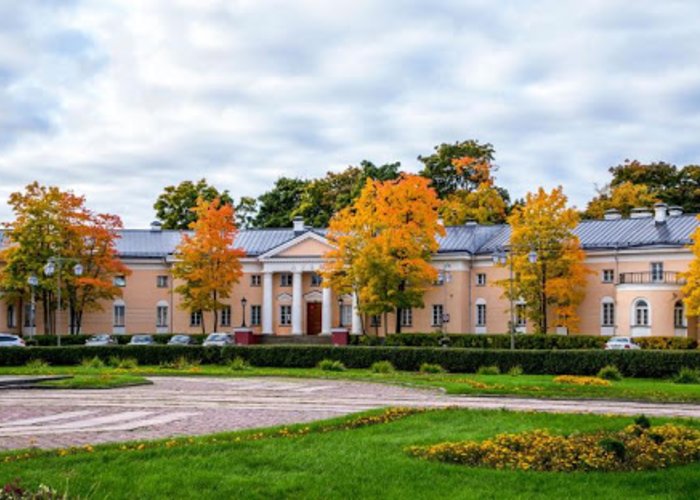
[313, 318]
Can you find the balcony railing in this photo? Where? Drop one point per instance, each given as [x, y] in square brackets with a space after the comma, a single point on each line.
[666, 277]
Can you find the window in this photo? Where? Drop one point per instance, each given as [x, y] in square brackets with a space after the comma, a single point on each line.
[119, 281]
[481, 315]
[316, 279]
[608, 275]
[226, 316]
[375, 321]
[255, 280]
[162, 281]
[520, 316]
[407, 317]
[28, 315]
[196, 318]
[285, 315]
[657, 271]
[481, 279]
[286, 279]
[679, 315]
[119, 314]
[437, 315]
[440, 279]
[11, 322]
[255, 315]
[641, 313]
[608, 314]
[346, 315]
[161, 316]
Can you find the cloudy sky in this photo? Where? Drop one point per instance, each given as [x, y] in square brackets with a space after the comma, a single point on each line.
[117, 98]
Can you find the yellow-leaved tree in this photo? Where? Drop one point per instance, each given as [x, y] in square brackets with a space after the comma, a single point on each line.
[549, 273]
[623, 197]
[207, 262]
[383, 244]
[691, 290]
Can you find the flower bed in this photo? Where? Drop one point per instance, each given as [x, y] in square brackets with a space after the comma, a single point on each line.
[634, 448]
[577, 380]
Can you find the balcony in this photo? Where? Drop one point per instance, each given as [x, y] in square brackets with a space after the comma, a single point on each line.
[649, 278]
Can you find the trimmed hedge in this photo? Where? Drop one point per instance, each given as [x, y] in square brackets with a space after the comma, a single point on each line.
[68, 340]
[654, 364]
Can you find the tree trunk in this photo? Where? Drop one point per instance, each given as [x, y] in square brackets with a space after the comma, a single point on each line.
[398, 320]
[216, 313]
[386, 327]
[543, 320]
[204, 330]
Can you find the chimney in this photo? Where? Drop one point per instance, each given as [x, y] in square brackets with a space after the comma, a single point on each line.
[298, 224]
[675, 211]
[470, 223]
[640, 213]
[660, 210]
[156, 226]
[612, 214]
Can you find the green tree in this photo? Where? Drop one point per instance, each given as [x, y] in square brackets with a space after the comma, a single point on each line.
[174, 206]
[246, 209]
[277, 206]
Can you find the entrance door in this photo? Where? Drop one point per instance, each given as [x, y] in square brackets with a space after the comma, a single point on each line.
[313, 318]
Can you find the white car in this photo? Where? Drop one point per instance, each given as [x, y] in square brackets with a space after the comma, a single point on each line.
[621, 343]
[218, 339]
[102, 339]
[9, 340]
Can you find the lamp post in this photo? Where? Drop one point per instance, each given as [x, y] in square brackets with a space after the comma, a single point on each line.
[340, 312]
[53, 266]
[243, 303]
[33, 281]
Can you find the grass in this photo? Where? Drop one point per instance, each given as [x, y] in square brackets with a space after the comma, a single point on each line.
[96, 381]
[368, 462]
[541, 386]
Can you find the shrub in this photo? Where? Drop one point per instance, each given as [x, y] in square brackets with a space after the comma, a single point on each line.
[128, 364]
[687, 376]
[515, 371]
[92, 363]
[382, 367]
[642, 421]
[37, 364]
[666, 343]
[181, 363]
[238, 364]
[431, 368]
[610, 372]
[489, 370]
[331, 365]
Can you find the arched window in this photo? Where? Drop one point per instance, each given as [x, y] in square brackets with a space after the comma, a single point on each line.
[679, 315]
[641, 313]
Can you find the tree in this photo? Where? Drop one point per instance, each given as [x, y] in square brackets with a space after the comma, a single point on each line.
[324, 197]
[382, 245]
[50, 223]
[448, 176]
[207, 262]
[667, 182]
[554, 284]
[278, 204]
[245, 212]
[623, 197]
[691, 290]
[174, 205]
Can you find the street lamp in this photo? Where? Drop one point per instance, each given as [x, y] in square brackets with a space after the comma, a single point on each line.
[340, 312]
[53, 266]
[33, 281]
[532, 257]
[243, 303]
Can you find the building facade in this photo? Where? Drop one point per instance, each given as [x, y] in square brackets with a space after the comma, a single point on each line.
[634, 287]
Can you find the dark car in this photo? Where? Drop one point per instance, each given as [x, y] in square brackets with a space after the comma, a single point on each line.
[180, 340]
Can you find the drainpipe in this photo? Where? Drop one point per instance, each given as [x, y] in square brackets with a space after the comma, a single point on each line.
[469, 295]
[617, 277]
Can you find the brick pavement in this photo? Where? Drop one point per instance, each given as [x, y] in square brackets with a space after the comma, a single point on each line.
[177, 406]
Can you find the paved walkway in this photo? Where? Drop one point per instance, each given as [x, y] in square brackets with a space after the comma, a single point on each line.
[176, 406]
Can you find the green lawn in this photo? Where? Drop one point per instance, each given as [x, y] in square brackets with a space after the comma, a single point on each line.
[96, 381]
[542, 386]
[367, 462]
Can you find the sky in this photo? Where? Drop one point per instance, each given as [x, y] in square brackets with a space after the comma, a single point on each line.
[115, 99]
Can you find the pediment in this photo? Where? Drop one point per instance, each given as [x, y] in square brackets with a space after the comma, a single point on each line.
[308, 244]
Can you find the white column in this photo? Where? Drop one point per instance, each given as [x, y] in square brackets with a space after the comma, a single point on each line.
[296, 303]
[327, 312]
[267, 304]
[356, 321]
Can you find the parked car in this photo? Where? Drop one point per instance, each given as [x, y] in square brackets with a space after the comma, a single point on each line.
[180, 340]
[621, 343]
[102, 339]
[9, 340]
[218, 339]
[142, 340]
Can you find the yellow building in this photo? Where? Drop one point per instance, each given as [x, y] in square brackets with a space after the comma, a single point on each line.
[634, 288]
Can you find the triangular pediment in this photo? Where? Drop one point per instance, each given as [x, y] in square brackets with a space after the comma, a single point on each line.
[308, 244]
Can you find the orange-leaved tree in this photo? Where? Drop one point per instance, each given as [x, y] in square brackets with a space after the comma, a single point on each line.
[691, 290]
[383, 245]
[207, 262]
[547, 259]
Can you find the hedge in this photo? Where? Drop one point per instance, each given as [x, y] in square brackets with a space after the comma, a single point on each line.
[654, 364]
[502, 341]
[68, 340]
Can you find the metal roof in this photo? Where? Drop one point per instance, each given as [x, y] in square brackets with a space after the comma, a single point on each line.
[471, 238]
